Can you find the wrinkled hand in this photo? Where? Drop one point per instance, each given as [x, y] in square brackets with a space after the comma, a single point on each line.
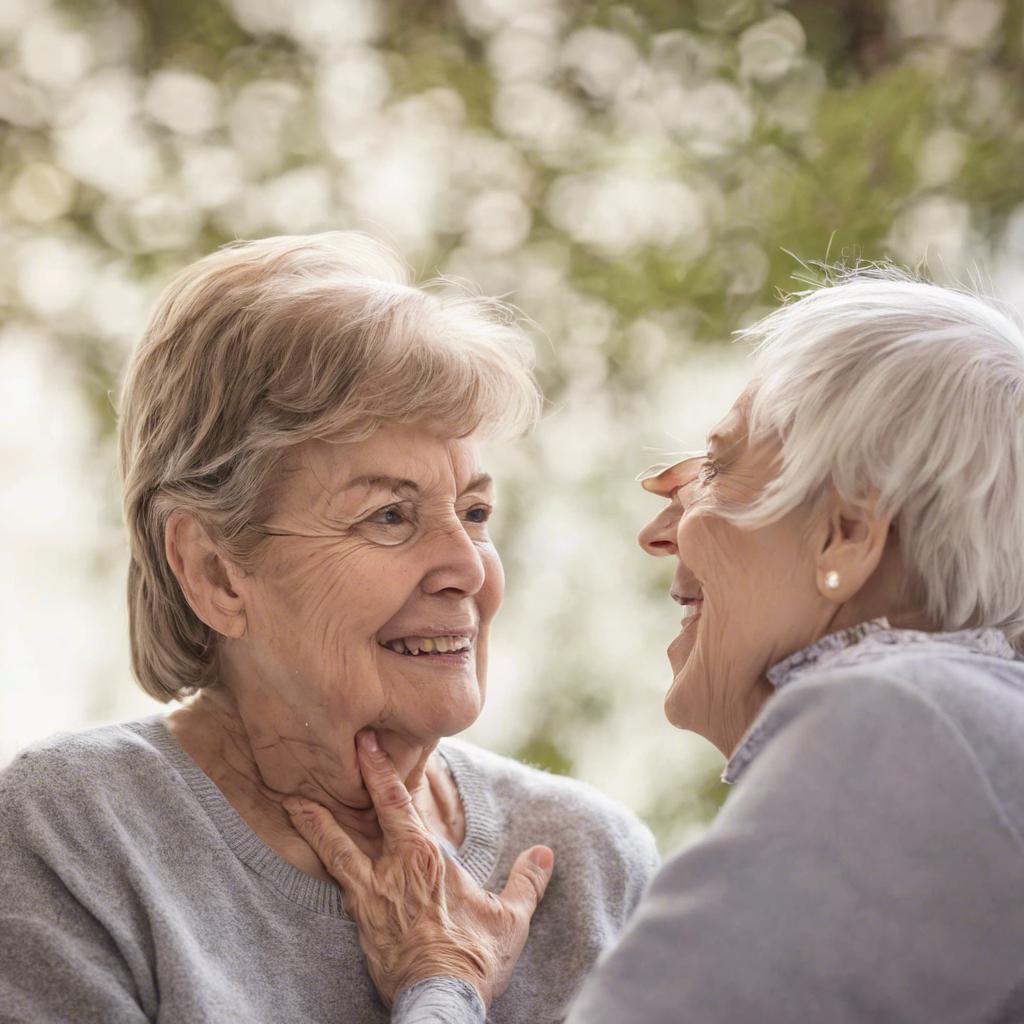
[419, 913]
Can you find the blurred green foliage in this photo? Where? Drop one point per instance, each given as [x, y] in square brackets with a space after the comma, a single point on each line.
[607, 166]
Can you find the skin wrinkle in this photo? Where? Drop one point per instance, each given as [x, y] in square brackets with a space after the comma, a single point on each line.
[313, 606]
[420, 913]
[763, 597]
[762, 589]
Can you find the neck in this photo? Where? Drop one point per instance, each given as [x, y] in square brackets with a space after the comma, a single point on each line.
[900, 615]
[888, 593]
[259, 755]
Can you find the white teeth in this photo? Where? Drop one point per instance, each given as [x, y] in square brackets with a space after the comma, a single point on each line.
[690, 610]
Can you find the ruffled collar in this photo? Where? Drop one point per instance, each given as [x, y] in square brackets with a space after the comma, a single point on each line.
[867, 640]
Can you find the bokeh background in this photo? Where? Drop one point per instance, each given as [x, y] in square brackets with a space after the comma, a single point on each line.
[639, 179]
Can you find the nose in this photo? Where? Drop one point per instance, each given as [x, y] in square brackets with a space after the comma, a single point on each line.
[455, 564]
[658, 537]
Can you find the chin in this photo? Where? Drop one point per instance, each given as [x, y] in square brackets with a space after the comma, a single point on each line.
[686, 671]
[679, 702]
[457, 713]
[678, 660]
[675, 714]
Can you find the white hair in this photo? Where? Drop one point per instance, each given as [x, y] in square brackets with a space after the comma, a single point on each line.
[892, 388]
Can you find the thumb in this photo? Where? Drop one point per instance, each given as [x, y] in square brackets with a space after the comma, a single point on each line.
[529, 880]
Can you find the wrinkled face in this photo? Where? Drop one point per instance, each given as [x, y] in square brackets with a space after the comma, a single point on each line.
[372, 600]
[749, 595]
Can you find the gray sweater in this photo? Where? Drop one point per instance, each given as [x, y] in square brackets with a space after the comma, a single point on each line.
[131, 891]
[868, 866]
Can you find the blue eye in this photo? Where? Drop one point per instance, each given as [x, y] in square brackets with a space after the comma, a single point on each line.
[480, 514]
[390, 515]
[392, 524]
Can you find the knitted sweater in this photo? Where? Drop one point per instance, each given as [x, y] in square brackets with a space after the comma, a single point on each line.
[131, 890]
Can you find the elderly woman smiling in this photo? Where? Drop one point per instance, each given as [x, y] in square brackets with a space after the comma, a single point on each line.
[848, 552]
[308, 518]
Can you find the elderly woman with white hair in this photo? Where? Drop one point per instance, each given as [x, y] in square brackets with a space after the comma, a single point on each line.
[307, 512]
[850, 560]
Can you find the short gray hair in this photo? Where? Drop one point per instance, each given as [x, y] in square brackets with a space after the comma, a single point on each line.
[264, 345]
[883, 382]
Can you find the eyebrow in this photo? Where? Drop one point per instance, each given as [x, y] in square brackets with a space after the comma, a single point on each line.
[478, 483]
[381, 483]
[728, 439]
[397, 484]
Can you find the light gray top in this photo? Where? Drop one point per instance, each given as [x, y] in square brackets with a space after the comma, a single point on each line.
[131, 890]
[868, 866]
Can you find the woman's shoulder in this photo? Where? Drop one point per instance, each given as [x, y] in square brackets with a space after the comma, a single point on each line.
[63, 751]
[952, 669]
[80, 773]
[553, 805]
[968, 690]
[917, 724]
[516, 782]
[970, 694]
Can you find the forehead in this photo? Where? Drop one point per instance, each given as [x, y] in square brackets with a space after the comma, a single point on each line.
[725, 439]
[414, 453]
[732, 427]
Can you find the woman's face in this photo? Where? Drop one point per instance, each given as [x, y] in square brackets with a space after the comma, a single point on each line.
[750, 596]
[371, 602]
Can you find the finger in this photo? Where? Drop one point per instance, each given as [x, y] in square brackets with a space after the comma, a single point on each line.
[395, 810]
[339, 854]
[528, 881]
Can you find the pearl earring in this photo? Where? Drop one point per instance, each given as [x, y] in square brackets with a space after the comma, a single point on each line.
[832, 580]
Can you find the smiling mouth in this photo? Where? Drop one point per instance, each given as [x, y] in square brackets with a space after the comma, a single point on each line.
[691, 612]
[430, 646]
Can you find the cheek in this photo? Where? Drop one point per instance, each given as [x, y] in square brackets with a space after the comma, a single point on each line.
[710, 549]
[492, 593]
[334, 592]
[758, 591]
[782, 557]
[488, 601]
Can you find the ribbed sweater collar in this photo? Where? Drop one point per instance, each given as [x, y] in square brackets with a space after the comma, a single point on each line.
[478, 853]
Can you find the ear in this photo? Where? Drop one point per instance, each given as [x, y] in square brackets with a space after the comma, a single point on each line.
[207, 579]
[854, 543]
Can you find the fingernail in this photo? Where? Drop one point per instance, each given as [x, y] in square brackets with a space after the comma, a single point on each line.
[369, 741]
[294, 805]
[543, 858]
